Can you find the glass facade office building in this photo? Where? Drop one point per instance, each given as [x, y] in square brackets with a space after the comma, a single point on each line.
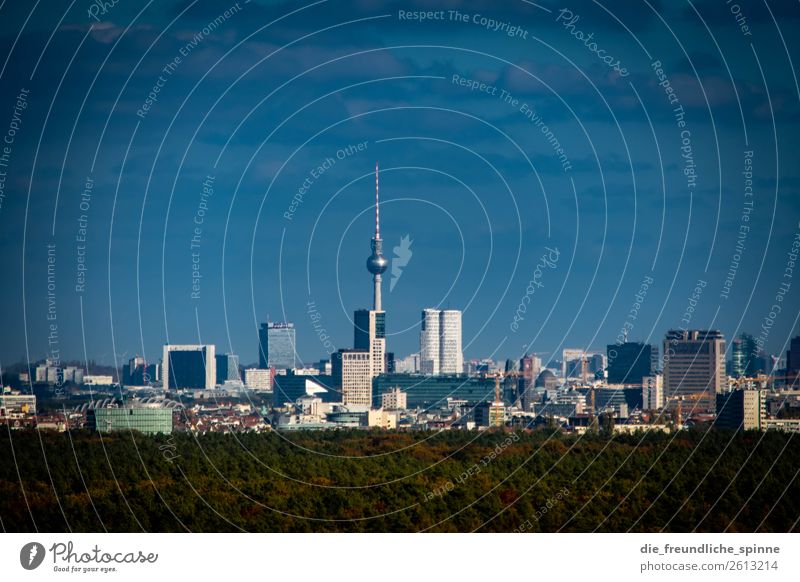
[361, 327]
[187, 369]
[745, 357]
[276, 346]
[144, 420]
[289, 387]
[423, 391]
[629, 362]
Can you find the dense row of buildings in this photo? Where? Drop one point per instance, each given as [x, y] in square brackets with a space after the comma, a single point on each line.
[687, 380]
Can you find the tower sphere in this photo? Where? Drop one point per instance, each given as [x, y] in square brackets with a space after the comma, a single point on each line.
[377, 264]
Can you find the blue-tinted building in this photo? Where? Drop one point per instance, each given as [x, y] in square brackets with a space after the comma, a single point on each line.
[144, 420]
[189, 367]
[613, 397]
[425, 391]
[290, 387]
[629, 362]
[228, 368]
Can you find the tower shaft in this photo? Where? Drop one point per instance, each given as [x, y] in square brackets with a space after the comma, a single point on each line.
[376, 298]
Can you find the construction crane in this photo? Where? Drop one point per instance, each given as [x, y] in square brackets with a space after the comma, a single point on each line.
[759, 380]
[679, 399]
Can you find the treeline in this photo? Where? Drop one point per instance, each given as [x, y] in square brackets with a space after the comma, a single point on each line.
[376, 481]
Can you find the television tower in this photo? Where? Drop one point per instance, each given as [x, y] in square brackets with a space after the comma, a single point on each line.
[377, 263]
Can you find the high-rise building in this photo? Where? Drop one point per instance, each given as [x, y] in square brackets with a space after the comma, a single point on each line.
[263, 346]
[440, 342]
[133, 373]
[741, 409]
[352, 374]
[324, 367]
[694, 366]
[451, 359]
[653, 392]
[746, 360]
[407, 365]
[152, 373]
[276, 346]
[529, 368]
[429, 337]
[596, 364]
[792, 358]
[571, 362]
[189, 367]
[228, 368]
[370, 335]
[629, 362]
[737, 362]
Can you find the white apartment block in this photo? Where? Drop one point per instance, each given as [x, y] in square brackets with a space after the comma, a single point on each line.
[382, 419]
[258, 379]
[754, 412]
[653, 392]
[395, 399]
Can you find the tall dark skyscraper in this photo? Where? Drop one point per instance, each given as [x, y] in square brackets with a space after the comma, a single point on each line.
[745, 356]
[793, 357]
[133, 373]
[276, 346]
[694, 365]
[629, 362]
[189, 367]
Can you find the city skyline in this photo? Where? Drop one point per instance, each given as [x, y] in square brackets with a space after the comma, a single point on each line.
[264, 222]
[400, 266]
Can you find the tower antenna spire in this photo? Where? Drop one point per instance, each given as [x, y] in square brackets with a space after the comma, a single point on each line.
[377, 205]
[377, 263]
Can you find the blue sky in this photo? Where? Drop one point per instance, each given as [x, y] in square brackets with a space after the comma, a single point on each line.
[262, 98]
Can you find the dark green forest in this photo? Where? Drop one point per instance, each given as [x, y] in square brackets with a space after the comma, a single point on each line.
[377, 481]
